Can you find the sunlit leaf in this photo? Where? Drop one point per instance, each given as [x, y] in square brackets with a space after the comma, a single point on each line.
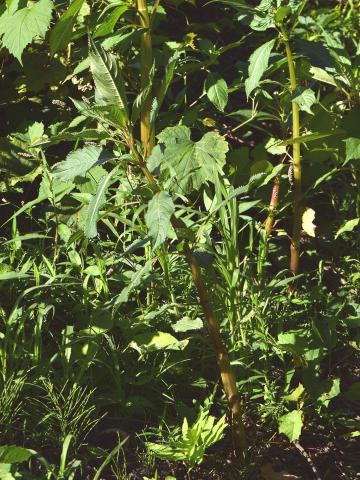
[19, 29]
[258, 63]
[348, 226]
[291, 424]
[307, 222]
[79, 161]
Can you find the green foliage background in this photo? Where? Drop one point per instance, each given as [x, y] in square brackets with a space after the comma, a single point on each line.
[103, 347]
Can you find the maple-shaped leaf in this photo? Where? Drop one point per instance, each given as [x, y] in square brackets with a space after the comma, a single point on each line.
[191, 164]
[18, 28]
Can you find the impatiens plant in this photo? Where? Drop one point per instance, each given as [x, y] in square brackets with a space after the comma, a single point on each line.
[157, 160]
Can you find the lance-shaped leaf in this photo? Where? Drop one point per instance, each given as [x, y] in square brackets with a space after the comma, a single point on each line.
[193, 164]
[107, 26]
[60, 35]
[143, 96]
[110, 87]
[20, 28]
[96, 203]
[79, 161]
[258, 63]
[216, 90]
[169, 75]
[137, 278]
[158, 215]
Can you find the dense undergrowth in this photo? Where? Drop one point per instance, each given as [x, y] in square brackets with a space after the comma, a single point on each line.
[179, 249]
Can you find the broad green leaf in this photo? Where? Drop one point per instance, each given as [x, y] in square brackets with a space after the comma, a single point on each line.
[108, 114]
[173, 135]
[158, 216]
[61, 34]
[193, 164]
[295, 394]
[304, 98]
[158, 341]
[216, 90]
[110, 88]
[18, 29]
[96, 203]
[187, 324]
[322, 75]
[348, 226]
[14, 454]
[258, 63]
[79, 161]
[35, 131]
[291, 424]
[352, 146]
[274, 147]
[264, 17]
[282, 13]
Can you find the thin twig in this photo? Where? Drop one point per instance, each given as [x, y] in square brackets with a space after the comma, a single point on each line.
[309, 460]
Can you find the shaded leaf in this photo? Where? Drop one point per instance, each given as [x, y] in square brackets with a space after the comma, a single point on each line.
[61, 34]
[14, 454]
[96, 203]
[352, 146]
[158, 215]
[216, 90]
[193, 164]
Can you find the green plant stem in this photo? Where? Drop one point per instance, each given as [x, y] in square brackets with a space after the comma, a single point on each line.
[147, 139]
[297, 205]
[226, 371]
[146, 58]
